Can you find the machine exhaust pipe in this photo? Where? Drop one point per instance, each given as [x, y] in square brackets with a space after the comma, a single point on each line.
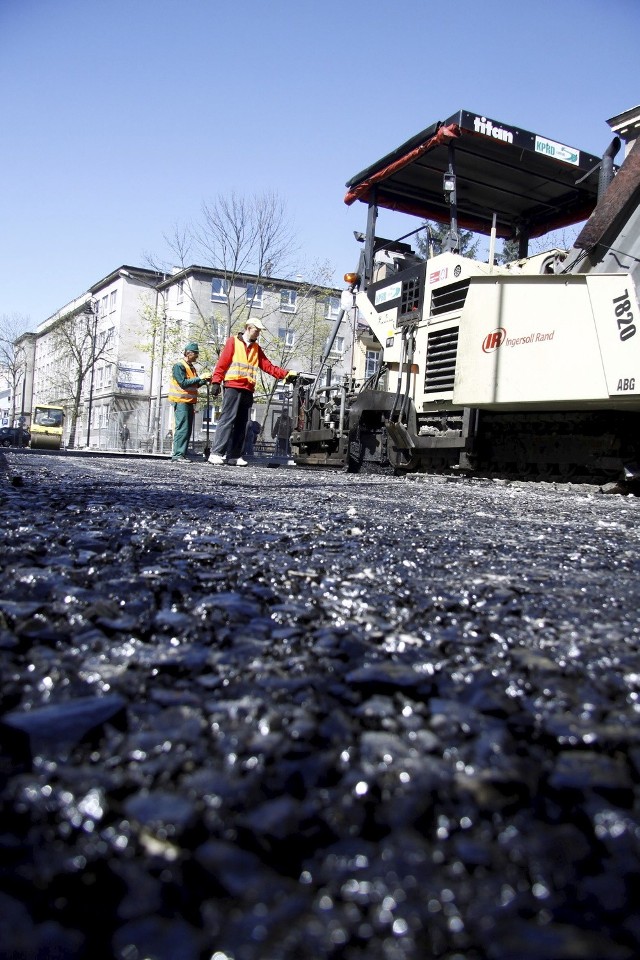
[606, 167]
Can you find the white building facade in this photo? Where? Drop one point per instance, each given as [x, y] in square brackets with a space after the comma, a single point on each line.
[136, 322]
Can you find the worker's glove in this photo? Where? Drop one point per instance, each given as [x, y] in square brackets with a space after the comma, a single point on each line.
[215, 389]
[205, 379]
[291, 377]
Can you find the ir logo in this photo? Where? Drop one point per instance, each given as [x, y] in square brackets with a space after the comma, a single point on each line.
[494, 340]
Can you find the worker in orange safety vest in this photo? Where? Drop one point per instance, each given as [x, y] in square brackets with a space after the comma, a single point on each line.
[183, 395]
[237, 368]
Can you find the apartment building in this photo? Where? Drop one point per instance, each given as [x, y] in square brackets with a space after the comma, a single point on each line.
[131, 326]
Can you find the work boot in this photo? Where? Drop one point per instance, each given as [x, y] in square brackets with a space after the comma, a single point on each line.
[216, 458]
[237, 463]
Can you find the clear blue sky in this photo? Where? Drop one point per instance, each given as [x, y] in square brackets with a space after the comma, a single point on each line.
[121, 118]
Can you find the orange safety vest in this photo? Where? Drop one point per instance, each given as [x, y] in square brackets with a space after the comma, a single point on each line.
[244, 363]
[178, 394]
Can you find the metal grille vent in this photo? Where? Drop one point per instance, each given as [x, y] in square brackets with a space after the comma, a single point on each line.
[410, 299]
[442, 349]
[451, 297]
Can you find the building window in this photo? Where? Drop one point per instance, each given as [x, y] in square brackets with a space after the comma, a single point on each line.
[254, 294]
[332, 308]
[371, 363]
[220, 329]
[337, 346]
[112, 302]
[288, 301]
[105, 337]
[288, 335]
[103, 305]
[219, 289]
[180, 291]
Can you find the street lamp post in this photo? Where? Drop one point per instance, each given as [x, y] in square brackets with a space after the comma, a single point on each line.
[151, 371]
[24, 394]
[156, 442]
[93, 307]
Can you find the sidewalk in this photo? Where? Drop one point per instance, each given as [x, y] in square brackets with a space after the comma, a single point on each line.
[260, 460]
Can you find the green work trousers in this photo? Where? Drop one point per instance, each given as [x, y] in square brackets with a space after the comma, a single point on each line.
[184, 413]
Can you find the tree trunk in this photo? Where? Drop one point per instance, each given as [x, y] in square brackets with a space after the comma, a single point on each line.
[74, 417]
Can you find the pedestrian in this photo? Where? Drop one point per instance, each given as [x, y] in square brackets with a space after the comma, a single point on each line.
[251, 435]
[237, 367]
[183, 395]
[124, 437]
[281, 431]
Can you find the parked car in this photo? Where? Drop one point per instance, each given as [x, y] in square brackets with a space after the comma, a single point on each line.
[14, 437]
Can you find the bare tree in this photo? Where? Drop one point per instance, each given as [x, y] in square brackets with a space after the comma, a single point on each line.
[300, 336]
[241, 237]
[12, 358]
[79, 347]
[562, 239]
[433, 237]
[298, 341]
[246, 235]
[163, 335]
[250, 241]
[556, 239]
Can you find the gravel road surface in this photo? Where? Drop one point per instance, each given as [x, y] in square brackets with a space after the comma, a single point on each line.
[269, 714]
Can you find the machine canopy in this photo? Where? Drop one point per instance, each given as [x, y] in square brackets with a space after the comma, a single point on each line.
[532, 183]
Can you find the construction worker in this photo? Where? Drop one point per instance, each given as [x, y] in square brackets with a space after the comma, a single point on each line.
[183, 395]
[237, 367]
[251, 435]
[280, 432]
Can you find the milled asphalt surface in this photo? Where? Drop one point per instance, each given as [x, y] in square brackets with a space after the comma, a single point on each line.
[272, 714]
